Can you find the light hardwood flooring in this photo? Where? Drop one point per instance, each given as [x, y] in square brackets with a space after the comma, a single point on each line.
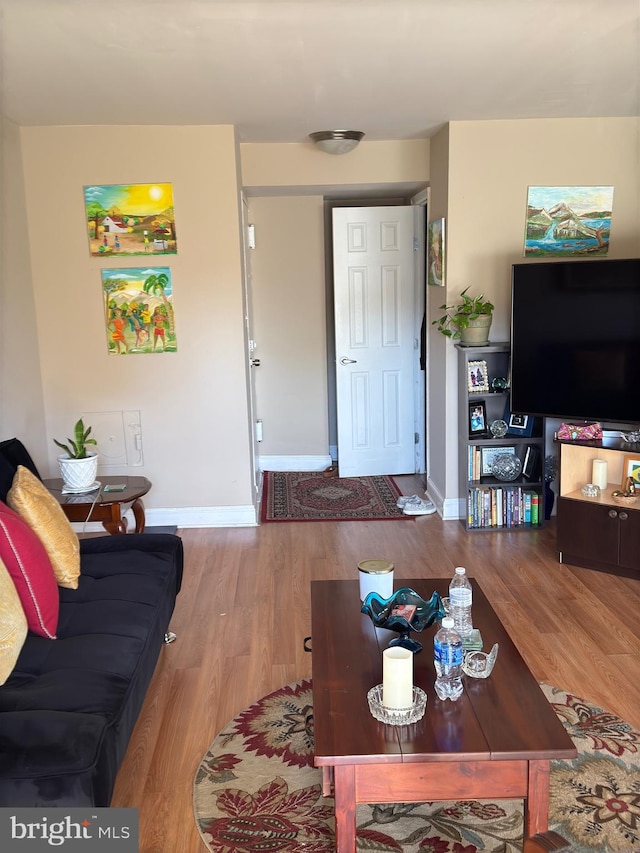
[244, 610]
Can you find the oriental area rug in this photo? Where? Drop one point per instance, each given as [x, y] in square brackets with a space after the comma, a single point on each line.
[256, 789]
[312, 496]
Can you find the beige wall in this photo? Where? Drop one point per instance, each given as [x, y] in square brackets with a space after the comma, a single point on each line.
[195, 400]
[193, 403]
[268, 166]
[21, 401]
[490, 165]
[288, 293]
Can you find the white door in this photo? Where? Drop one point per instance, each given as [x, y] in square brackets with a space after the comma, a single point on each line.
[252, 360]
[375, 339]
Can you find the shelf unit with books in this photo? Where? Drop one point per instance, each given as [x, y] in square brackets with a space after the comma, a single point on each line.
[492, 503]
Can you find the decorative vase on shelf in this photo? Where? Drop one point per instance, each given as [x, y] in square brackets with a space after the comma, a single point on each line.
[549, 498]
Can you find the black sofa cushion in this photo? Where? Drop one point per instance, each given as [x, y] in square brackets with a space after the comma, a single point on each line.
[13, 453]
[70, 705]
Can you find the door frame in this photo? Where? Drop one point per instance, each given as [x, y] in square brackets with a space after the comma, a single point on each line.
[256, 473]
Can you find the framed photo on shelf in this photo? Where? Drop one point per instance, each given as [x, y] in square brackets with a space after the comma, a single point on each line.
[518, 424]
[477, 376]
[631, 468]
[487, 455]
[477, 419]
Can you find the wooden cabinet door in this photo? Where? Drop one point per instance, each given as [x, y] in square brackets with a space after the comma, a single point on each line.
[629, 538]
[587, 531]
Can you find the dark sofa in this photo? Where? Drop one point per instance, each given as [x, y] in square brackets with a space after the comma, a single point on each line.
[68, 708]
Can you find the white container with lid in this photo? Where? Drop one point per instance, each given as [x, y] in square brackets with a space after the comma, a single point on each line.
[375, 576]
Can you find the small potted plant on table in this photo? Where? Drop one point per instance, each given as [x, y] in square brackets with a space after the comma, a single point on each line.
[78, 465]
[468, 321]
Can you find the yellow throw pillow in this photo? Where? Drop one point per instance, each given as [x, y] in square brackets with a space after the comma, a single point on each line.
[36, 505]
[13, 624]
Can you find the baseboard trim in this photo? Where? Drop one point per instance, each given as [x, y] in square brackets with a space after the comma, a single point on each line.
[294, 463]
[214, 516]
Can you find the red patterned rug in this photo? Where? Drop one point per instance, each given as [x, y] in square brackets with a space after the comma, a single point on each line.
[311, 496]
[257, 791]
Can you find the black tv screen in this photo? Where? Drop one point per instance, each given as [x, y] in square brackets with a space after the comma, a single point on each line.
[575, 340]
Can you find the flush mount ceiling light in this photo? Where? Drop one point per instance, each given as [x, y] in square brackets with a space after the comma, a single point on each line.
[337, 141]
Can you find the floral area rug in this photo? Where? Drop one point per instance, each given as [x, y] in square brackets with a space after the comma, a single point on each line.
[311, 496]
[256, 789]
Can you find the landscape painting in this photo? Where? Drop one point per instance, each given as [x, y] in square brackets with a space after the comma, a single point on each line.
[139, 310]
[568, 221]
[435, 253]
[130, 219]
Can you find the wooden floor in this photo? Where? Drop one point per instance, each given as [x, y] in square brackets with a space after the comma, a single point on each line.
[244, 610]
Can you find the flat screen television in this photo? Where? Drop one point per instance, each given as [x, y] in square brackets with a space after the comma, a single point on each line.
[575, 340]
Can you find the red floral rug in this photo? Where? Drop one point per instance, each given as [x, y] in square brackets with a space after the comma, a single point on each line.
[311, 496]
[256, 790]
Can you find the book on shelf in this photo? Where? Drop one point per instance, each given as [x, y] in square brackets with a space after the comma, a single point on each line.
[531, 468]
[502, 507]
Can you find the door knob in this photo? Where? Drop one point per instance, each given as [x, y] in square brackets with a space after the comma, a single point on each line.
[345, 360]
[254, 362]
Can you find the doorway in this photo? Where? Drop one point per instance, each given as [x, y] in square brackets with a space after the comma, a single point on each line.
[416, 421]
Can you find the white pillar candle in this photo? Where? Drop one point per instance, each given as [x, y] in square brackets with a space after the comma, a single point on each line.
[397, 678]
[599, 473]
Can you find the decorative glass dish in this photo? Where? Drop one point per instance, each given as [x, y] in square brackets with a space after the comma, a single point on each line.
[632, 437]
[498, 428]
[479, 664]
[397, 716]
[506, 467]
[405, 611]
[590, 490]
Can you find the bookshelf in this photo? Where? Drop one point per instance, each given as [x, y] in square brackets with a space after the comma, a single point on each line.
[491, 502]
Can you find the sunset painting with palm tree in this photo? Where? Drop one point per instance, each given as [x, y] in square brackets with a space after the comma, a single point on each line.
[130, 219]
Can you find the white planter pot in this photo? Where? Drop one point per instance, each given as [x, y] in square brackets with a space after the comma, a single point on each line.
[78, 475]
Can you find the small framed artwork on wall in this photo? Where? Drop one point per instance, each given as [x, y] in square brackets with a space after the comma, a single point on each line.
[435, 252]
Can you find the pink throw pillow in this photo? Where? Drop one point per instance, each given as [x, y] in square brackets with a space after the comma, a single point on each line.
[30, 568]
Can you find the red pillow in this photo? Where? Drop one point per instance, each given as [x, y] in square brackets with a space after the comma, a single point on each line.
[31, 571]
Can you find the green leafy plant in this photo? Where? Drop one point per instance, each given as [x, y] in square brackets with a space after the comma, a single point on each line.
[457, 317]
[77, 446]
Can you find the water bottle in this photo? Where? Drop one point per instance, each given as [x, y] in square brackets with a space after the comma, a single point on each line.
[447, 659]
[460, 600]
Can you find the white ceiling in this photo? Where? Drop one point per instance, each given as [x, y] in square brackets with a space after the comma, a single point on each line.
[279, 69]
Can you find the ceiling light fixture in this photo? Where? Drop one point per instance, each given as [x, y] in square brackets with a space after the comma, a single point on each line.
[337, 141]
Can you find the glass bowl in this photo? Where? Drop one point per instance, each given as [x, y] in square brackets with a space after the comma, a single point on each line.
[506, 467]
[405, 611]
[397, 716]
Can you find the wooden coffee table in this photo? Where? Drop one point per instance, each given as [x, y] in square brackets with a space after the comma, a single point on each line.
[108, 506]
[496, 741]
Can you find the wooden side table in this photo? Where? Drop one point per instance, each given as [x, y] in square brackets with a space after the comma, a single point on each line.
[104, 506]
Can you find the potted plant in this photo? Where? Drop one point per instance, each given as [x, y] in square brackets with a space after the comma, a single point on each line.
[469, 320]
[78, 465]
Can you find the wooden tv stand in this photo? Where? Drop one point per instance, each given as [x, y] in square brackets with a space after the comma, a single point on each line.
[597, 533]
